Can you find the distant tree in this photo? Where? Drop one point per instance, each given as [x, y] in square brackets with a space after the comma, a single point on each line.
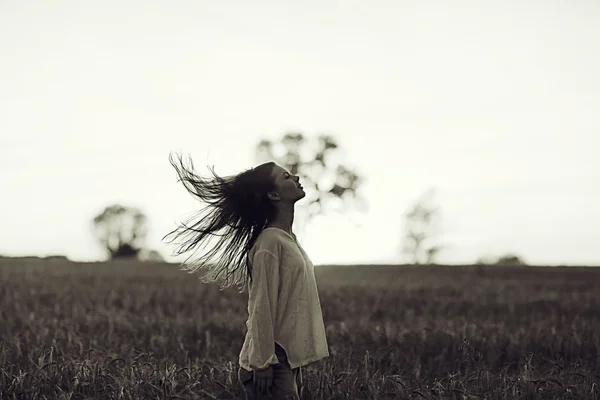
[325, 180]
[432, 253]
[507, 259]
[121, 231]
[486, 260]
[510, 259]
[150, 256]
[420, 229]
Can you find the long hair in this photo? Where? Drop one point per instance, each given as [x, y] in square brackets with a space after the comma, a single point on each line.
[236, 212]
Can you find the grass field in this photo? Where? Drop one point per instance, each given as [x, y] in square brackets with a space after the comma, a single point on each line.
[124, 330]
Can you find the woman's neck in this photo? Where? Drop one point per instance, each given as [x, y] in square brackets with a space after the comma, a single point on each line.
[284, 220]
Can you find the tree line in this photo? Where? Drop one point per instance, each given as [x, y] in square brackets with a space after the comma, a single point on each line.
[330, 184]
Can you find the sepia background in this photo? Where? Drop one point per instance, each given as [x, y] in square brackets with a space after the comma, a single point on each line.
[448, 150]
[492, 104]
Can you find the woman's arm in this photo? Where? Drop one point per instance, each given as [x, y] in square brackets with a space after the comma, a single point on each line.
[262, 307]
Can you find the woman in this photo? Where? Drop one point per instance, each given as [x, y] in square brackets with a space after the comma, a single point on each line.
[251, 215]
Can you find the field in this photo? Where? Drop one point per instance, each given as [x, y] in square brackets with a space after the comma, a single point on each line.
[126, 330]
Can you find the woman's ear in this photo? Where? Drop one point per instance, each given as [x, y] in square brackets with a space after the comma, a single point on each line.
[273, 196]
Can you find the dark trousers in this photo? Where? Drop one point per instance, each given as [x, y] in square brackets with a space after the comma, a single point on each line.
[287, 382]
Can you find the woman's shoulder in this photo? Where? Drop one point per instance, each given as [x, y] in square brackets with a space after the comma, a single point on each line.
[270, 239]
[270, 236]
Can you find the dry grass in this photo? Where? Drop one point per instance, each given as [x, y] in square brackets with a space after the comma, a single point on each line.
[74, 331]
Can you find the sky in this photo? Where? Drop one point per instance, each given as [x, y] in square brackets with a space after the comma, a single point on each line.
[493, 104]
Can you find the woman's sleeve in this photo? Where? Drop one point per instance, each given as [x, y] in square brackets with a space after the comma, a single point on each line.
[262, 307]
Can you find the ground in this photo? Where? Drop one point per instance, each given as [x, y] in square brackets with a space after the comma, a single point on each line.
[126, 330]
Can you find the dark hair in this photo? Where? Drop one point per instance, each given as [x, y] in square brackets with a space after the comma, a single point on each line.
[237, 211]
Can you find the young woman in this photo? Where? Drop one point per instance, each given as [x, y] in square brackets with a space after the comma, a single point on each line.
[251, 215]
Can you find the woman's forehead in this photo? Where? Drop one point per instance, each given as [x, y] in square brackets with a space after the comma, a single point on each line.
[278, 170]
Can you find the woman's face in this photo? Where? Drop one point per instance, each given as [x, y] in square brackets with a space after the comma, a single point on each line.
[287, 186]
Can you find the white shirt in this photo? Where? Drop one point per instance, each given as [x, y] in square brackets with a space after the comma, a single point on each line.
[283, 304]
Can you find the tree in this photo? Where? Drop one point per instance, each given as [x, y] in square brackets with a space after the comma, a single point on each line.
[432, 253]
[421, 223]
[507, 259]
[325, 180]
[510, 259]
[151, 256]
[484, 260]
[121, 231]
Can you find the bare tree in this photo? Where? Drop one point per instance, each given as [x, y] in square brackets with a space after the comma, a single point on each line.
[121, 231]
[421, 225]
[325, 181]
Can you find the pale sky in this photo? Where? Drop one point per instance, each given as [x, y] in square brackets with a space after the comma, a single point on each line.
[495, 104]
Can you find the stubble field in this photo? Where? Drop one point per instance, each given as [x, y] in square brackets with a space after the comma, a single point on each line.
[131, 331]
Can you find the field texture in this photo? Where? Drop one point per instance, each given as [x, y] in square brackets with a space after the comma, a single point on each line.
[123, 330]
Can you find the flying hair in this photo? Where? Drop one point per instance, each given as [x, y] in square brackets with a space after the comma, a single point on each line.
[236, 211]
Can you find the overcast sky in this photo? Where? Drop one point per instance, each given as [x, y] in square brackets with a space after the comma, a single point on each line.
[495, 104]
